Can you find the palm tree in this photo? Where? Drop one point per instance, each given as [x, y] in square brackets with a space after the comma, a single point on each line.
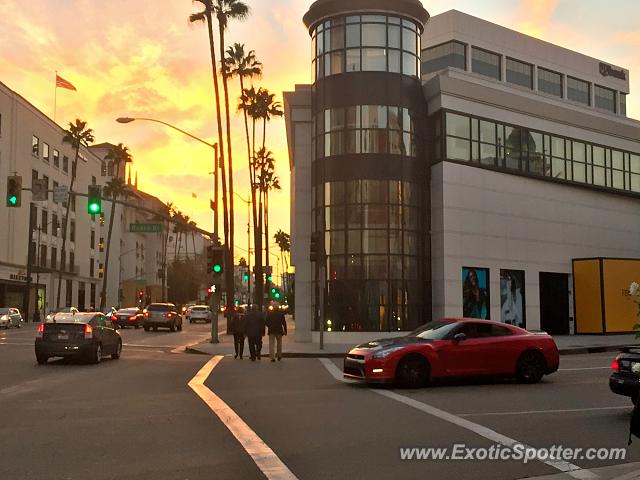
[271, 182]
[116, 187]
[284, 242]
[193, 226]
[226, 10]
[76, 135]
[262, 164]
[268, 108]
[206, 16]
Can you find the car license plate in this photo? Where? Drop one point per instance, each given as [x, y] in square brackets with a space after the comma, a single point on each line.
[63, 337]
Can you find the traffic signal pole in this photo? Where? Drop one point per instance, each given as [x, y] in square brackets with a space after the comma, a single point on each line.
[27, 297]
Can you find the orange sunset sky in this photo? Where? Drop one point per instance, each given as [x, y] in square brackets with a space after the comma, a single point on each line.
[143, 58]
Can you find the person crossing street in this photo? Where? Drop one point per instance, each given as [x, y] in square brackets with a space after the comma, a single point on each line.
[277, 326]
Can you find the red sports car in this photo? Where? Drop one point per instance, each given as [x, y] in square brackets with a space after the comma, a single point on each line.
[454, 348]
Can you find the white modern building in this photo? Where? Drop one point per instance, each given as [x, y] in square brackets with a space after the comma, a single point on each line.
[464, 188]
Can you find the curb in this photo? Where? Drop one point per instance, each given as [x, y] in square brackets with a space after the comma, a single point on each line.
[597, 349]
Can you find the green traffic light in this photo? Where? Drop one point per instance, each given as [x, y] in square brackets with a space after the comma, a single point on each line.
[217, 268]
[94, 208]
[245, 277]
[277, 295]
[269, 278]
[13, 200]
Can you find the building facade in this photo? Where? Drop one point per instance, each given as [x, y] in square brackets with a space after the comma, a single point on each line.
[468, 193]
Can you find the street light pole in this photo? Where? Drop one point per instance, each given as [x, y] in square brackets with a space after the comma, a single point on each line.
[211, 145]
[248, 202]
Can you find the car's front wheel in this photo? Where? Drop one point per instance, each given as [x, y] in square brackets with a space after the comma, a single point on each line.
[146, 328]
[413, 371]
[97, 354]
[530, 367]
[41, 359]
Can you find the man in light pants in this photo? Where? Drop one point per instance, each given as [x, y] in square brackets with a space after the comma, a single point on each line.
[277, 326]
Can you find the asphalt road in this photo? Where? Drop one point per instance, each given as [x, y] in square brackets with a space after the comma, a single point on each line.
[136, 418]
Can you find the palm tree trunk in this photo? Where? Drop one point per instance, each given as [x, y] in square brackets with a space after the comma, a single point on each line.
[74, 167]
[105, 279]
[257, 227]
[266, 227]
[230, 277]
[164, 263]
[220, 160]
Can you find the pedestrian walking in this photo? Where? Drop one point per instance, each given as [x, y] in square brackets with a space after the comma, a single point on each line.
[277, 326]
[239, 330]
[255, 332]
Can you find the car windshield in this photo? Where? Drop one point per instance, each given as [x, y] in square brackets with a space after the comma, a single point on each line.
[159, 308]
[4, 311]
[128, 311]
[434, 330]
[199, 309]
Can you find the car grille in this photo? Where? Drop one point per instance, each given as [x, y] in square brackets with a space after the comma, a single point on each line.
[355, 357]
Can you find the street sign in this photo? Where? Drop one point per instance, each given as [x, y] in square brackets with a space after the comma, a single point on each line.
[39, 190]
[60, 194]
[145, 227]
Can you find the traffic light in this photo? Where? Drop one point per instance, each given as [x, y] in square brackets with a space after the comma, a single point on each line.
[94, 200]
[269, 273]
[316, 252]
[245, 277]
[140, 295]
[215, 259]
[14, 191]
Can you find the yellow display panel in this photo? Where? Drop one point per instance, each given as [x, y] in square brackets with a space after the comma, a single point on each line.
[620, 311]
[588, 303]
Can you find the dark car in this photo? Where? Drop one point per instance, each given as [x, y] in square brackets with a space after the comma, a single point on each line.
[625, 379]
[454, 347]
[90, 336]
[128, 317]
[162, 315]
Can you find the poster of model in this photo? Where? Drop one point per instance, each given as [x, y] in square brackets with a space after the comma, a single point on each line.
[512, 308]
[475, 293]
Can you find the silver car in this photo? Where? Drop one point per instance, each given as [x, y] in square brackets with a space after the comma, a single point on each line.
[199, 313]
[162, 315]
[10, 317]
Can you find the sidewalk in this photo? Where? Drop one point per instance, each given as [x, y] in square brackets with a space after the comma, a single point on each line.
[567, 345]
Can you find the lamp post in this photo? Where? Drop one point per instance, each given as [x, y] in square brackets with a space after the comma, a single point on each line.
[211, 145]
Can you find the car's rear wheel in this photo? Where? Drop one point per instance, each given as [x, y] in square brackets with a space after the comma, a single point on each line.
[41, 359]
[116, 355]
[146, 328]
[136, 326]
[155, 328]
[413, 371]
[172, 327]
[97, 354]
[530, 367]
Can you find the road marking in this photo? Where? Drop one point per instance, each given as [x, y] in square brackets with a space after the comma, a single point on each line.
[267, 461]
[583, 368]
[16, 343]
[573, 471]
[533, 412]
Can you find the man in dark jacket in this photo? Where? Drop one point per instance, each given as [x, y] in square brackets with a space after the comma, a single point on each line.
[255, 332]
[277, 328]
[239, 329]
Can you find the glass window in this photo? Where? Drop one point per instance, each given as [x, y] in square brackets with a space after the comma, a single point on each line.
[451, 54]
[409, 41]
[458, 125]
[550, 82]
[458, 149]
[374, 60]
[376, 216]
[374, 35]
[374, 191]
[353, 35]
[35, 145]
[519, 73]
[623, 103]
[56, 158]
[605, 98]
[394, 61]
[335, 41]
[353, 60]
[65, 164]
[394, 40]
[409, 64]
[485, 63]
[375, 241]
[578, 91]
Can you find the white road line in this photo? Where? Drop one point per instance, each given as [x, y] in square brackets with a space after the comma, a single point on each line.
[583, 368]
[573, 471]
[534, 412]
[267, 461]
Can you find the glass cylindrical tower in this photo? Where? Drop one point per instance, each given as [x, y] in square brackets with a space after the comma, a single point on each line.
[370, 177]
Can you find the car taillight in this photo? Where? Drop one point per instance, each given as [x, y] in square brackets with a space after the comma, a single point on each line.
[132, 318]
[88, 331]
[186, 312]
[114, 318]
[41, 330]
[146, 314]
[169, 315]
[614, 365]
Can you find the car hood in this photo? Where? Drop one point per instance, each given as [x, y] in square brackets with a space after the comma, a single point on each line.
[392, 342]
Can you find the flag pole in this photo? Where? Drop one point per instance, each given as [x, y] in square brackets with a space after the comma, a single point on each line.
[55, 97]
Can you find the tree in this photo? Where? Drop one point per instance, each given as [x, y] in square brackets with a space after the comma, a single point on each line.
[206, 16]
[242, 262]
[225, 11]
[76, 135]
[284, 242]
[119, 155]
[270, 182]
[268, 108]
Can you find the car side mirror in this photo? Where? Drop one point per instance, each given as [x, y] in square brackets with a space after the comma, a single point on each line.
[459, 337]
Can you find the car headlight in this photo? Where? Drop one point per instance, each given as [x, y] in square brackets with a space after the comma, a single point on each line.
[4, 318]
[385, 352]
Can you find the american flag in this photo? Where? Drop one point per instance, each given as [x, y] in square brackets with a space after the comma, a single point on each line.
[62, 83]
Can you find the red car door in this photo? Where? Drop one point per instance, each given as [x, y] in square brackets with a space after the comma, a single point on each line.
[468, 356]
[502, 350]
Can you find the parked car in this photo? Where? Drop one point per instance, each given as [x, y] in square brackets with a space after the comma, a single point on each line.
[199, 313]
[625, 379]
[454, 348]
[62, 310]
[10, 317]
[90, 336]
[128, 317]
[162, 315]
